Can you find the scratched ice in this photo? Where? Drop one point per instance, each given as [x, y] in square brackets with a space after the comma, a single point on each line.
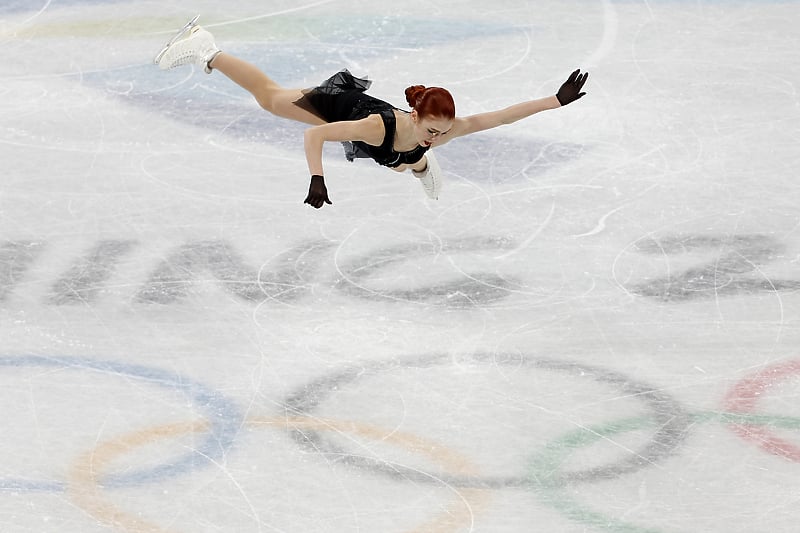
[595, 328]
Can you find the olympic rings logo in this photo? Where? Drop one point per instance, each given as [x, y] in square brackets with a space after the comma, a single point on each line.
[90, 479]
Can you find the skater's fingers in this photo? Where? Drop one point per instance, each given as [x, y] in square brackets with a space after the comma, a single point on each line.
[573, 76]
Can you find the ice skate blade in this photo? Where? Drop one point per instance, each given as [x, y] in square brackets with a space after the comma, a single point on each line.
[186, 27]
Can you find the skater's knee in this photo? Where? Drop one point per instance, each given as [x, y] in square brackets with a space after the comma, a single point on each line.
[266, 99]
[265, 104]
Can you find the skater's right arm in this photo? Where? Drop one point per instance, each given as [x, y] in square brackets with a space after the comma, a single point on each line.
[369, 130]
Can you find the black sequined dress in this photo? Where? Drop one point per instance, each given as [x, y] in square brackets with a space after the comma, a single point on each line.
[342, 97]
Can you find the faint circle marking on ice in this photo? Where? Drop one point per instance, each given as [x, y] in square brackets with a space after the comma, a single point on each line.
[607, 42]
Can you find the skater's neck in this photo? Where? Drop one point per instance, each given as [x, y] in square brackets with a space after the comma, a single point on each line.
[405, 139]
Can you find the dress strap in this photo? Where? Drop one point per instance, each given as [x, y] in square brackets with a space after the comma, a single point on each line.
[390, 125]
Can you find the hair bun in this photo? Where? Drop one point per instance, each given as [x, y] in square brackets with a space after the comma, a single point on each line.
[431, 101]
[413, 94]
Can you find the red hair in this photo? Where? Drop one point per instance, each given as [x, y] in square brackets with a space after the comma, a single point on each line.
[431, 101]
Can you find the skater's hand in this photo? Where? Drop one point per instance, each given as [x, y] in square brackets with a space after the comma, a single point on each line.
[317, 192]
[571, 89]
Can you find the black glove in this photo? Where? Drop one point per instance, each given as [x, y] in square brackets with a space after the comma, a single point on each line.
[317, 192]
[571, 89]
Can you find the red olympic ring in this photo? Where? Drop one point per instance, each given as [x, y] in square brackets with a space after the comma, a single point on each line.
[743, 399]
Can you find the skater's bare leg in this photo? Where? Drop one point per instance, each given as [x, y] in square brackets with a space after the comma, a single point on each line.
[269, 95]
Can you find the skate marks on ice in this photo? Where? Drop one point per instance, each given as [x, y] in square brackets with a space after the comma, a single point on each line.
[86, 489]
[284, 281]
[15, 259]
[708, 266]
[222, 415]
[726, 265]
[285, 278]
[668, 416]
[87, 277]
[436, 454]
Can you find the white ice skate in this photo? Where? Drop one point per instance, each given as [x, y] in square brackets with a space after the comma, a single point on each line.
[431, 177]
[191, 45]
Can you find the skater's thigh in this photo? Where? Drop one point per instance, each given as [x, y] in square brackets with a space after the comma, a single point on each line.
[283, 104]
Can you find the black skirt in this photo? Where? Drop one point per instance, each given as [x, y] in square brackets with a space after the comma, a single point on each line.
[341, 97]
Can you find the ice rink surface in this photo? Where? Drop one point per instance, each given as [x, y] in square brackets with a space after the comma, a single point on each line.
[596, 327]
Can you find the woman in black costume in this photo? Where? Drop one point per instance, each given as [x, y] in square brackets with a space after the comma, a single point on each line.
[340, 110]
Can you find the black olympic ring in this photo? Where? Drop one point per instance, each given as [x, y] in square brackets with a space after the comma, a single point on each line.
[672, 421]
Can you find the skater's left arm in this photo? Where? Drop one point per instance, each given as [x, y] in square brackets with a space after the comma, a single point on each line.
[569, 92]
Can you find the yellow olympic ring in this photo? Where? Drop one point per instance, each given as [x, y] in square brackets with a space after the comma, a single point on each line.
[84, 490]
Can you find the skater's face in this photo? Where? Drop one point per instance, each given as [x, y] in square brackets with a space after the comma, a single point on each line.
[432, 130]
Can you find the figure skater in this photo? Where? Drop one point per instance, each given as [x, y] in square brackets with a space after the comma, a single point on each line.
[340, 110]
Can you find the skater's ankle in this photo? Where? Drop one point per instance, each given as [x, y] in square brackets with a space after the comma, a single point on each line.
[210, 63]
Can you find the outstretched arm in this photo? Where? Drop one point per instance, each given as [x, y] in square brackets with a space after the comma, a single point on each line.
[569, 92]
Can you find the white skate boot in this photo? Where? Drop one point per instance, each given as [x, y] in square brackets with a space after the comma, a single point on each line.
[192, 44]
[431, 177]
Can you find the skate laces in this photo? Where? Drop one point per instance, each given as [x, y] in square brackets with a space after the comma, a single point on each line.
[190, 50]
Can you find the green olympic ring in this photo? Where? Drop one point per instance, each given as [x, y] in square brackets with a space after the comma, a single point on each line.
[548, 485]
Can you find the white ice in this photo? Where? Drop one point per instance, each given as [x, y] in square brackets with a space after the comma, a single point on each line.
[596, 327]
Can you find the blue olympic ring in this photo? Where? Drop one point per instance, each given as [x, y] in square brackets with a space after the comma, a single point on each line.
[224, 416]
